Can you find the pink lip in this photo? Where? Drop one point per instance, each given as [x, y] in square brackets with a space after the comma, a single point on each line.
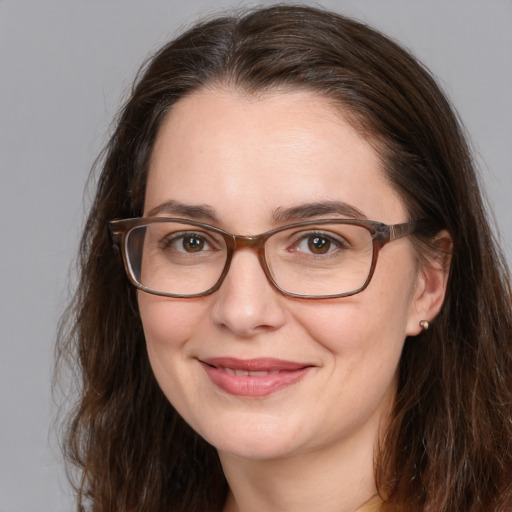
[230, 375]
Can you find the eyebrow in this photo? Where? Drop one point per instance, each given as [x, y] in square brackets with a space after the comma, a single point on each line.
[173, 207]
[309, 210]
[291, 214]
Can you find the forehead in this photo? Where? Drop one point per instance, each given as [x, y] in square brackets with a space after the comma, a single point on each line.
[247, 156]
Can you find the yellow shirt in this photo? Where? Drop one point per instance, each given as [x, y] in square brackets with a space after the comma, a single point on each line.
[373, 505]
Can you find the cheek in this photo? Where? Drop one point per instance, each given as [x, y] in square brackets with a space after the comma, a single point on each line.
[359, 342]
[166, 321]
[367, 328]
[168, 326]
[351, 326]
[361, 352]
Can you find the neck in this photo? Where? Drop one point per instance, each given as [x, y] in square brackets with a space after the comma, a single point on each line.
[339, 479]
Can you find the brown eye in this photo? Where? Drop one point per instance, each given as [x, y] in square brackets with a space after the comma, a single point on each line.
[187, 243]
[319, 244]
[193, 244]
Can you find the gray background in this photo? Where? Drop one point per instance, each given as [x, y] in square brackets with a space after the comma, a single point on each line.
[64, 66]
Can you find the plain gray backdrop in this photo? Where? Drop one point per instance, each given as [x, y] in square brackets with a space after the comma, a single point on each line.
[64, 67]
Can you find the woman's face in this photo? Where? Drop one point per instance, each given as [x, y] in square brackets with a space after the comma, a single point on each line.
[325, 370]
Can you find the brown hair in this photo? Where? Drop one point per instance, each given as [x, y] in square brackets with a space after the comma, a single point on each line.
[448, 447]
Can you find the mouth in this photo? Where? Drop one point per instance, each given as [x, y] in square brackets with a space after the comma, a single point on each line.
[253, 377]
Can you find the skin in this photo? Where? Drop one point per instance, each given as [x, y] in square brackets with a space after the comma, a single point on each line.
[246, 158]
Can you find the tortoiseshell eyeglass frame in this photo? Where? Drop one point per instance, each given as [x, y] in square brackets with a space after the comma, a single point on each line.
[381, 235]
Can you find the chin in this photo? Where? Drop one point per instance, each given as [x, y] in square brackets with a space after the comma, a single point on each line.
[256, 450]
[263, 441]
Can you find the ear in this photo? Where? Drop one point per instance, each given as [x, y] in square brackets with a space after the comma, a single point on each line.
[431, 284]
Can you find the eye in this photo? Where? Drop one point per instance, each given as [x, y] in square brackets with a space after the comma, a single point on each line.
[187, 243]
[317, 243]
[193, 243]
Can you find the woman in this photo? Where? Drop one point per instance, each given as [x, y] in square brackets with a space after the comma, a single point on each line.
[361, 360]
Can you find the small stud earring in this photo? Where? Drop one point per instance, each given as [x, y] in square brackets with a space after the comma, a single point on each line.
[425, 324]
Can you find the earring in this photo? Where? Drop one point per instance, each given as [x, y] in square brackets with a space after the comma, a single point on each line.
[425, 324]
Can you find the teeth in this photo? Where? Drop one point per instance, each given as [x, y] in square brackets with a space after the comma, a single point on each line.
[246, 373]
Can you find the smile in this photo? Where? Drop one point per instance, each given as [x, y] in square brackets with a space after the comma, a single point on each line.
[245, 373]
[253, 377]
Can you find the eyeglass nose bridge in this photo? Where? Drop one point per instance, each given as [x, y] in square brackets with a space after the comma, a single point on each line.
[255, 243]
[251, 242]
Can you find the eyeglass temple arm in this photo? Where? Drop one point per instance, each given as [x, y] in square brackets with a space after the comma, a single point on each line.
[397, 231]
[115, 235]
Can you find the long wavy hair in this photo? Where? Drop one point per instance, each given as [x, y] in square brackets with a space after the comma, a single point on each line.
[449, 442]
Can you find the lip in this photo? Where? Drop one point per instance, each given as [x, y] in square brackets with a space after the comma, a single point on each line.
[253, 377]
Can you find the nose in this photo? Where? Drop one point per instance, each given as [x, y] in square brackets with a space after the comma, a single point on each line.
[246, 303]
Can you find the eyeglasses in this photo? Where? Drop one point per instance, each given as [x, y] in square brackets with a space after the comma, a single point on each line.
[316, 259]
